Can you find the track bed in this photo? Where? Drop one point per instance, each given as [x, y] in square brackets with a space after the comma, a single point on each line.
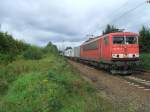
[120, 90]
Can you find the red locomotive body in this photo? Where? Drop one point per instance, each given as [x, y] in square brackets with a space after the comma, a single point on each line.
[114, 51]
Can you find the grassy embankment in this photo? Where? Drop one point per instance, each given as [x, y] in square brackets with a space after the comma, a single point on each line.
[145, 58]
[46, 85]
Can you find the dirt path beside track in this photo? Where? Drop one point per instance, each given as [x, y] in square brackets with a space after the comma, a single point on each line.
[123, 95]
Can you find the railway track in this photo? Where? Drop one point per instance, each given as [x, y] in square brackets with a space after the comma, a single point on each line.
[137, 82]
[137, 79]
[140, 79]
[120, 89]
[142, 70]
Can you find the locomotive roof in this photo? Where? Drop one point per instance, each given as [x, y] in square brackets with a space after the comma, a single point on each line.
[116, 33]
[124, 33]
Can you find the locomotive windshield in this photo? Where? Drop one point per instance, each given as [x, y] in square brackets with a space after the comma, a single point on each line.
[131, 40]
[118, 40]
[125, 40]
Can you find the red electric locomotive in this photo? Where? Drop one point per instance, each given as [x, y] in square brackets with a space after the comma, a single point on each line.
[116, 52]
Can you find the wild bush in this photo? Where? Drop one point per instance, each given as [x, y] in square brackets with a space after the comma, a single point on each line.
[46, 85]
[3, 86]
[144, 40]
[7, 58]
[34, 53]
[50, 48]
[145, 61]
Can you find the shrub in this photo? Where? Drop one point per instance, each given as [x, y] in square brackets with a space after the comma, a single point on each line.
[6, 58]
[33, 53]
[48, 86]
[145, 61]
[50, 48]
[3, 86]
[144, 40]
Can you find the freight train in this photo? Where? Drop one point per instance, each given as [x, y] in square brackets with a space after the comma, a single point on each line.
[115, 52]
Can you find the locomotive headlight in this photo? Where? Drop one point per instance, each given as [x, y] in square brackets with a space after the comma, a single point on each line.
[117, 55]
[125, 55]
[114, 55]
[136, 55]
[133, 55]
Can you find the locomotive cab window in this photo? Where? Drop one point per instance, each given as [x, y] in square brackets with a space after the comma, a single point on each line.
[118, 40]
[131, 40]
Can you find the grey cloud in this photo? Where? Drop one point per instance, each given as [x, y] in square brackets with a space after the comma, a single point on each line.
[41, 21]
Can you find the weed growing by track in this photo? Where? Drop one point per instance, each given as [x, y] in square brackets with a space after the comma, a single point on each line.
[145, 58]
[47, 85]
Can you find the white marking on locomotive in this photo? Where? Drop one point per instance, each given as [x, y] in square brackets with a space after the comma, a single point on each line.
[125, 56]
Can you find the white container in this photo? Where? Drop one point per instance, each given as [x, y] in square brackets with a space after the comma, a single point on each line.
[76, 52]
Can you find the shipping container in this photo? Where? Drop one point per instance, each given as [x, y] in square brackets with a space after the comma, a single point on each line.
[76, 52]
[68, 52]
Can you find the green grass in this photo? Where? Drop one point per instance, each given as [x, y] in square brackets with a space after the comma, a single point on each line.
[47, 85]
[145, 58]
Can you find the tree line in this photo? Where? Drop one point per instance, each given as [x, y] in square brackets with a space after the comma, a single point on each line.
[8, 45]
[10, 48]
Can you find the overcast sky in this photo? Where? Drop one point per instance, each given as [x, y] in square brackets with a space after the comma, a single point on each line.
[41, 21]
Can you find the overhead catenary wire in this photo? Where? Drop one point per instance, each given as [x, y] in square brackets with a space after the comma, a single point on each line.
[141, 24]
[127, 12]
[116, 10]
[124, 14]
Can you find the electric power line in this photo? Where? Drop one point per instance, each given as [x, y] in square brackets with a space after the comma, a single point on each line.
[124, 4]
[140, 24]
[125, 13]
